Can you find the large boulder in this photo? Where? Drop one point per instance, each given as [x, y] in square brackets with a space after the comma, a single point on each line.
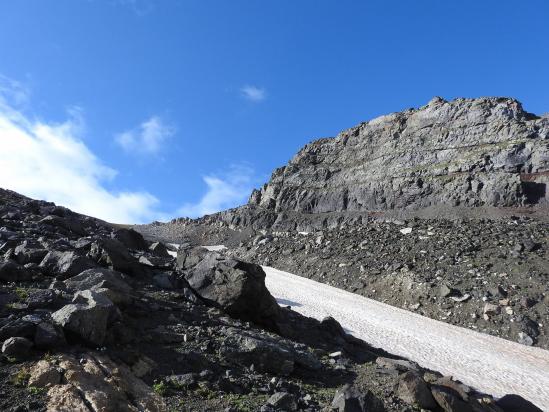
[449, 400]
[351, 399]
[235, 286]
[159, 249]
[49, 336]
[131, 239]
[16, 346]
[413, 390]
[113, 254]
[63, 224]
[29, 252]
[65, 264]
[103, 281]
[40, 298]
[44, 374]
[516, 403]
[87, 317]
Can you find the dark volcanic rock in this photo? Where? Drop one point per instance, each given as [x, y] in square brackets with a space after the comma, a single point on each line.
[88, 317]
[17, 346]
[413, 390]
[235, 286]
[159, 249]
[114, 255]
[65, 264]
[110, 283]
[131, 239]
[516, 403]
[350, 399]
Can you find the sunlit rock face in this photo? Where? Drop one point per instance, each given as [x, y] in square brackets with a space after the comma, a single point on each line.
[467, 152]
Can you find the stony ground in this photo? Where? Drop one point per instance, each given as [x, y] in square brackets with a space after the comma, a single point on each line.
[491, 276]
[96, 318]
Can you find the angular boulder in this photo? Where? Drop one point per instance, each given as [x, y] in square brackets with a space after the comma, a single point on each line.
[113, 254]
[65, 264]
[64, 224]
[88, 317]
[16, 346]
[159, 249]
[49, 336]
[449, 400]
[41, 298]
[131, 239]
[413, 390]
[235, 286]
[351, 399]
[29, 252]
[103, 281]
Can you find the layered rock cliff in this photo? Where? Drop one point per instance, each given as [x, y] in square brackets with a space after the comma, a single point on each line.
[467, 152]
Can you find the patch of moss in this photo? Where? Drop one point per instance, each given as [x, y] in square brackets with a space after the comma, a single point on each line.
[20, 378]
[33, 390]
[205, 392]
[22, 293]
[160, 388]
[245, 403]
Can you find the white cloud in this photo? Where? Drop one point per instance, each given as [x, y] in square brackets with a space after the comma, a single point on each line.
[226, 191]
[49, 161]
[148, 138]
[253, 93]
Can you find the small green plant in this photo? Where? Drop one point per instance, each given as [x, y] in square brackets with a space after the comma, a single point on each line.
[244, 403]
[22, 293]
[48, 357]
[160, 388]
[20, 378]
[33, 390]
[205, 392]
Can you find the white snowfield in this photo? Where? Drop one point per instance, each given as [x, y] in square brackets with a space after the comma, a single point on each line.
[487, 363]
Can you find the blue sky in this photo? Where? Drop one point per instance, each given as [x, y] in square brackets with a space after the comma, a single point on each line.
[135, 110]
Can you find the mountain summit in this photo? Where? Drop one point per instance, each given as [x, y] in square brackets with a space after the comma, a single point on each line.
[467, 152]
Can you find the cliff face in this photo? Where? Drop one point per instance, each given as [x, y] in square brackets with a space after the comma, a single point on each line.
[467, 152]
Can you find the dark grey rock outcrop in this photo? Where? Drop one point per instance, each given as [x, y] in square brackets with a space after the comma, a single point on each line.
[471, 152]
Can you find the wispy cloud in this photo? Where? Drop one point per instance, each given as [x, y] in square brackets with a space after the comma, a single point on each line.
[50, 161]
[253, 93]
[224, 191]
[148, 138]
[13, 91]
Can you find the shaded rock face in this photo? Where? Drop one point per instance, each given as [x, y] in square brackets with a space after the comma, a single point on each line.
[469, 152]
